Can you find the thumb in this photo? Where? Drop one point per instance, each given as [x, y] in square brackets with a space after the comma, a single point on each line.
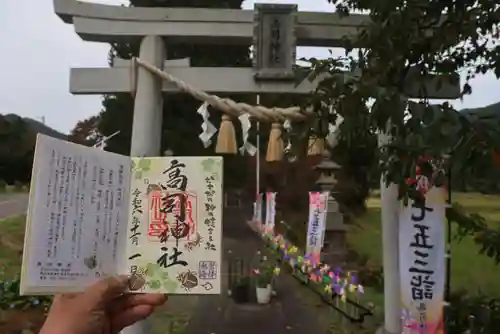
[106, 289]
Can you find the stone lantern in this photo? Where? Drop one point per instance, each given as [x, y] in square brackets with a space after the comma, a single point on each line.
[334, 249]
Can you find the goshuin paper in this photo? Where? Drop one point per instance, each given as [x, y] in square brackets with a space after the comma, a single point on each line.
[94, 214]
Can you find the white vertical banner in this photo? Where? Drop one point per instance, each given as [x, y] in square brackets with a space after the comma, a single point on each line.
[270, 210]
[422, 263]
[258, 208]
[324, 206]
[316, 224]
[254, 215]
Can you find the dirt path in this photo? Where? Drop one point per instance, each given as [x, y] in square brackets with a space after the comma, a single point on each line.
[13, 204]
[220, 315]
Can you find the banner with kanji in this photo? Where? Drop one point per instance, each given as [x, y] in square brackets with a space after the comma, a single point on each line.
[322, 218]
[316, 223]
[270, 210]
[422, 263]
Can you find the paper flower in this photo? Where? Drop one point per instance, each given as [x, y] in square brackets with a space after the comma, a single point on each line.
[324, 269]
[330, 280]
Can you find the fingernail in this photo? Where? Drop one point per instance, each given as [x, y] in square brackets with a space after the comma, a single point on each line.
[136, 282]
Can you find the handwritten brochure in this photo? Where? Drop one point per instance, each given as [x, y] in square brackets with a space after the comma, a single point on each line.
[94, 214]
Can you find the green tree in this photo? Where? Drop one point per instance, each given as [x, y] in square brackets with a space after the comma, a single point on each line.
[17, 143]
[422, 37]
[86, 132]
[356, 153]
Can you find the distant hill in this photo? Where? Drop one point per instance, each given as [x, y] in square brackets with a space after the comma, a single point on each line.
[37, 126]
[491, 111]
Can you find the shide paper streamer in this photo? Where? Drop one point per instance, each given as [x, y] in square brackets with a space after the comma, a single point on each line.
[333, 131]
[245, 128]
[287, 125]
[208, 129]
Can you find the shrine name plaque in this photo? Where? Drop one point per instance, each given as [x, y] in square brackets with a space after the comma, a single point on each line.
[274, 41]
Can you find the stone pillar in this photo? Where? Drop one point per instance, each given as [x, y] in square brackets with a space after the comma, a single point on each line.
[147, 123]
[148, 103]
[334, 249]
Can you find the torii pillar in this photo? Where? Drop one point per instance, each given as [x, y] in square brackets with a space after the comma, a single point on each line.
[148, 117]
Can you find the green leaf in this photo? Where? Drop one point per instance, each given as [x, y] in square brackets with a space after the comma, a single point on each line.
[149, 273]
[170, 285]
[138, 175]
[145, 164]
[207, 164]
[155, 285]
[153, 269]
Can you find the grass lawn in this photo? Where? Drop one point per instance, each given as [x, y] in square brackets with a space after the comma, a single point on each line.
[14, 189]
[11, 246]
[469, 270]
[170, 319]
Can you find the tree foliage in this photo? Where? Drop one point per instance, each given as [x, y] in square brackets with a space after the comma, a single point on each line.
[17, 145]
[16, 149]
[401, 40]
[86, 132]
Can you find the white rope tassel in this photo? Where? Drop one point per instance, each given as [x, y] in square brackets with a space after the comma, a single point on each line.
[208, 130]
[245, 128]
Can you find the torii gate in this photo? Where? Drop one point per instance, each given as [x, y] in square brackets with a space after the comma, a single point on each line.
[271, 74]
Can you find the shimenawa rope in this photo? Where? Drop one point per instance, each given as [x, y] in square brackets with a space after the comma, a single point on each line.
[229, 106]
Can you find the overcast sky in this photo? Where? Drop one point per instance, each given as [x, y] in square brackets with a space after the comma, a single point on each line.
[38, 50]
